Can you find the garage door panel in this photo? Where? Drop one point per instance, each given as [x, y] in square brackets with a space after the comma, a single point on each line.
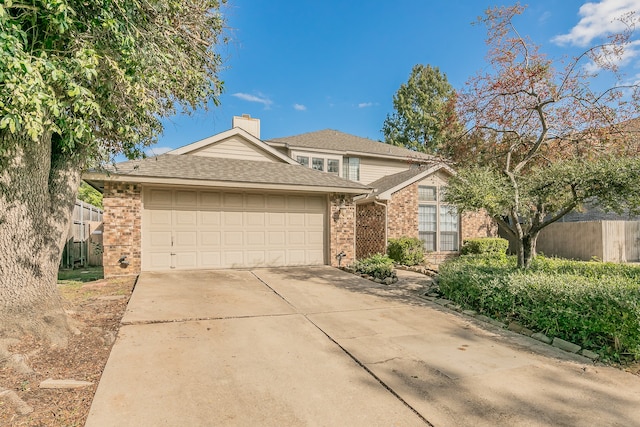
[314, 220]
[255, 219]
[160, 238]
[159, 260]
[233, 200]
[255, 238]
[276, 202]
[185, 218]
[209, 219]
[315, 257]
[296, 257]
[186, 198]
[276, 218]
[156, 197]
[297, 203]
[296, 238]
[210, 259]
[277, 258]
[210, 200]
[255, 201]
[227, 229]
[256, 258]
[159, 218]
[186, 238]
[186, 259]
[233, 259]
[277, 238]
[233, 238]
[231, 219]
[316, 203]
[315, 238]
[210, 238]
[295, 219]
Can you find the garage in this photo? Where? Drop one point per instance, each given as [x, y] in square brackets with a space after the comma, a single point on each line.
[205, 229]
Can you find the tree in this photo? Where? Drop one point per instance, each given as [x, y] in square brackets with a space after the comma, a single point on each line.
[82, 82]
[542, 139]
[90, 195]
[425, 114]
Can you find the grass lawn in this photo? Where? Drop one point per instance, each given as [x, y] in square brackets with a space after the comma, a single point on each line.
[82, 275]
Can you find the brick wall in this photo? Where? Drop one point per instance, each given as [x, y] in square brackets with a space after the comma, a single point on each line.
[342, 233]
[477, 224]
[122, 235]
[403, 213]
[370, 230]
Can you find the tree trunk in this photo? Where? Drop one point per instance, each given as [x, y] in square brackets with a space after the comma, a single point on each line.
[526, 250]
[38, 187]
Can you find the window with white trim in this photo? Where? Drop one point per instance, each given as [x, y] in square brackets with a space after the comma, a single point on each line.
[351, 168]
[317, 163]
[333, 166]
[303, 160]
[438, 224]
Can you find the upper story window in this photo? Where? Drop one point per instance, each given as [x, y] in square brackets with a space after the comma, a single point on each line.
[438, 225]
[333, 166]
[351, 168]
[317, 163]
[303, 160]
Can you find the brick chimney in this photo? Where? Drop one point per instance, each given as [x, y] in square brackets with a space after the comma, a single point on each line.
[245, 122]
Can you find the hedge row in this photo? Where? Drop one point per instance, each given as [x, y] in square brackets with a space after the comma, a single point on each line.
[595, 305]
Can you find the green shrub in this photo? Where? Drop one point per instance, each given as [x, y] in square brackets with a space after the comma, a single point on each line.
[378, 266]
[595, 305]
[485, 246]
[406, 250]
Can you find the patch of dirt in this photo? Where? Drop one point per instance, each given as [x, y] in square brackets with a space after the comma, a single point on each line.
[95, 320]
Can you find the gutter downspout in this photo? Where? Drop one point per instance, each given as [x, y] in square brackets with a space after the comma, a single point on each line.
[386, 222]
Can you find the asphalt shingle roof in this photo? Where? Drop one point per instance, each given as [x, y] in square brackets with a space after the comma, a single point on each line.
[334, 140]
[390, 181]
[231, 170]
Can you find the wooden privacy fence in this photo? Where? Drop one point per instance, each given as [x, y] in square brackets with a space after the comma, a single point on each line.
[614, 241]
[84, 240]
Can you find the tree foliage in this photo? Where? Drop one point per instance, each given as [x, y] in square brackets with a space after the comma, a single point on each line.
[80, 82]
[425, 115]
[542, 138]
[90, 195]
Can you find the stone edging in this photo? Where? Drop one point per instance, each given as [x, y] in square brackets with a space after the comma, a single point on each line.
[515, 327]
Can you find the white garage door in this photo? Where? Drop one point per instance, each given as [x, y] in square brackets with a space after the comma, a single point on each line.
[191, 229]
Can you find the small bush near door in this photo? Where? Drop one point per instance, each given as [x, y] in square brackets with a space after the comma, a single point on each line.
[377, 266]
[485, 246]
[406, 250]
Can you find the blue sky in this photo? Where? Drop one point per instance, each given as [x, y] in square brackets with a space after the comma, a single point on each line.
[306, 65]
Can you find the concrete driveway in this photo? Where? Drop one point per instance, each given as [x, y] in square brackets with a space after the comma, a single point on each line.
[317, 346]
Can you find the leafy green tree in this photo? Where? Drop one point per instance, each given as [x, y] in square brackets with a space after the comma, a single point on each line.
[90, 195]
[542, 139]
[425, 115]
[83, 81]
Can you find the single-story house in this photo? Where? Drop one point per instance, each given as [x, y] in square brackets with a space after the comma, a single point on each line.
[233, 200]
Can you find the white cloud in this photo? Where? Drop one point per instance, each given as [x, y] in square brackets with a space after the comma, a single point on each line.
[631, 51]
[299, 107]
[365, 104]
[597, 20]
[156, 151]
[254, 98]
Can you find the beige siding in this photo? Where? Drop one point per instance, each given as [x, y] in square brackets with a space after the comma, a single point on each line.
[235, 147]
[438, 179]
[632, 241]
[374, 169]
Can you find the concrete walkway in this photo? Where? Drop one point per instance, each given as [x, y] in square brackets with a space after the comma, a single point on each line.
[317, 346]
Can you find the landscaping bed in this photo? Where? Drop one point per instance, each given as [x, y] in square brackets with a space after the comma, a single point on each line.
[592, 304]
[94, 309]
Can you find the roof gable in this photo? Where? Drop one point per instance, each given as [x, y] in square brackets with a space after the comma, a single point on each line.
[235, 143]
[335, 141]
[385, 187]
